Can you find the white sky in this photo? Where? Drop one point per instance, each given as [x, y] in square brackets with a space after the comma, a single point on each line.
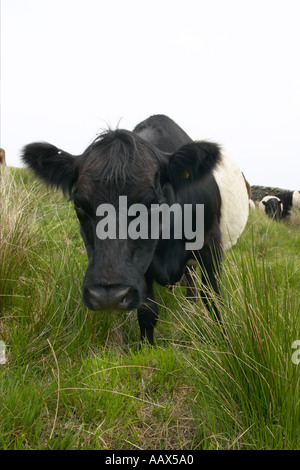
[226, 70]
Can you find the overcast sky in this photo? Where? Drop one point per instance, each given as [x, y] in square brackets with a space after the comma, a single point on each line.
[226, 70]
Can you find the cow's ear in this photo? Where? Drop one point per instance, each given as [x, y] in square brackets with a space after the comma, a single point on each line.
[192, 162]
[264, 203]
[53, 165]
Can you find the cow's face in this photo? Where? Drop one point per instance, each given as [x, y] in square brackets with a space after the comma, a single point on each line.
[115, 277]
[273, 208]
[117, 166]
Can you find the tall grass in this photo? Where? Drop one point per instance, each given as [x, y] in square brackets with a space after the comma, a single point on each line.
[42, 261]
[248, 386]
[17, 234]
[76, 379]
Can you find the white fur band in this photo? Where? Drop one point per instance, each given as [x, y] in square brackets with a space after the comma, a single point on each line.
[235, 200]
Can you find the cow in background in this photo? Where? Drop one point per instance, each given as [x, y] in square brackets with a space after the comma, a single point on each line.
[2, 157]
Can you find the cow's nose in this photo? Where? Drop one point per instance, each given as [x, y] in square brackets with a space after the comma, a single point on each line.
[109, 298]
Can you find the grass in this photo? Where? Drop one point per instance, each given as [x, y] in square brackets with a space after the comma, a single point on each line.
[76, 379]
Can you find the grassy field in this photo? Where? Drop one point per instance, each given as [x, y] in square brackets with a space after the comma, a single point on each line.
[76, 379]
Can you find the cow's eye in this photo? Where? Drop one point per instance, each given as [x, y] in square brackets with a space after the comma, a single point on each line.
[79, 211]
[82, 205]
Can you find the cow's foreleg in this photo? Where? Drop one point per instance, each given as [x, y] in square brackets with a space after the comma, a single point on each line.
[148, 314]
[210, 260]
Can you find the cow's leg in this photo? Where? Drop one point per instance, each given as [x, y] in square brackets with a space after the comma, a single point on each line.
[210, 260]
[148, 314]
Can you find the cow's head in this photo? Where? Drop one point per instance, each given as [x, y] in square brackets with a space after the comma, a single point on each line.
[273, 208]
[118, 163]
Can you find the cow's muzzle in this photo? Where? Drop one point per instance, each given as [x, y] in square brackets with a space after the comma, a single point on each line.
[99, 297]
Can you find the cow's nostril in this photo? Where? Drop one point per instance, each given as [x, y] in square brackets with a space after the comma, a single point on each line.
[129, 299]
[132, 299]
[124, 301]
[95, 298]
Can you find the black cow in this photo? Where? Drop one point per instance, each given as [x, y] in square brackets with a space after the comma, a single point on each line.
[290, 199]
[155, 163]
[272, 206]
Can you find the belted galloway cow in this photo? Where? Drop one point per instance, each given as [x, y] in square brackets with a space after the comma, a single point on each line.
[156, 164]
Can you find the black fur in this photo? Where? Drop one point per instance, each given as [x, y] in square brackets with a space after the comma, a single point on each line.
[287, 201]
[192, 162]
[157, 162]
[163, 133]
[51, 164]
